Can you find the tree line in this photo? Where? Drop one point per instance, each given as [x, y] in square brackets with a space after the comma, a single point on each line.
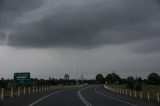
[110, 79]
[8, 83]
[130, 82]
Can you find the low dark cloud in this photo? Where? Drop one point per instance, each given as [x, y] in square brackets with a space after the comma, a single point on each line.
[147, 46]
[12, 9]
[84, 24]
[119, 35]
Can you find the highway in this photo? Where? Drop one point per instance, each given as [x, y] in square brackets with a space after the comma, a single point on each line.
[94, 95]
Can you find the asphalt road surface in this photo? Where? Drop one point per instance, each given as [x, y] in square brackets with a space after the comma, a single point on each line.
[94, 95]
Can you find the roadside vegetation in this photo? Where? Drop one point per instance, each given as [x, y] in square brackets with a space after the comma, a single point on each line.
[8, 83]
[36, 85]
[147, 89]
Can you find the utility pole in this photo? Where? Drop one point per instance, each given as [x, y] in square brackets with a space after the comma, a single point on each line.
[76, 76]
[82, 79]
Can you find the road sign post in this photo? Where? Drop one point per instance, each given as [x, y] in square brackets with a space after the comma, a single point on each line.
[29, 90]
[18, 91]
[11, 92]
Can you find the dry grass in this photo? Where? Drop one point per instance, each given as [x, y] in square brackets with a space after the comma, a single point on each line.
[150, 91]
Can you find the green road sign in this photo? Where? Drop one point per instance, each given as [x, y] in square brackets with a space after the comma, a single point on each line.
[22, 78]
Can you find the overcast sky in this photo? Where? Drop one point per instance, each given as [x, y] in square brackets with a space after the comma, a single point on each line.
[50, 38]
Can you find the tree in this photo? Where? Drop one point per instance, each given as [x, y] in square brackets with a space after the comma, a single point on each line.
[113, 78]
[153, 79]
[130, 82]
[66, 77]
[139, 79]
[138, 84]
[100, 78]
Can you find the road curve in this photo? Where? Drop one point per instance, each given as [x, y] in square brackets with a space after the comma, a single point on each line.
[67, 97]
[93, 95]
[97, 95]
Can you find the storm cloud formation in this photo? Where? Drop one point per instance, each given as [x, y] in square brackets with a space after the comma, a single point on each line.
[57, 36]
[84, 24]
[11, 10]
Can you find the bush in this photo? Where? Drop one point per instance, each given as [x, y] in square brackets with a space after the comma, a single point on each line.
[130, 82]
[153, 79]
[138, 87]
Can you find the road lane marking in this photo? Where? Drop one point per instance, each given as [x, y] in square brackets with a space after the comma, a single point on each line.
[82, 98]
[116, 99]
[47, 97]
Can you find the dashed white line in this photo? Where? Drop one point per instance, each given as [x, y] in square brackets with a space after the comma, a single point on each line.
[116, 99]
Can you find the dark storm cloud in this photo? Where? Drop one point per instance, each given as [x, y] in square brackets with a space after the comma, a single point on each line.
[147, 46]
[12, 9]
[89, 24]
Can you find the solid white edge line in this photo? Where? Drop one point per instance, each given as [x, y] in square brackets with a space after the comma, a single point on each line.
[82, 98]
[116, 99]
[46, 97]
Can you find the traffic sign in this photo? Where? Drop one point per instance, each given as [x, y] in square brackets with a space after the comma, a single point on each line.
[22, 78]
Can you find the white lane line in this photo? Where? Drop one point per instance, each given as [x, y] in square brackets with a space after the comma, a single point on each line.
[116, 99]
[82, 98]
[46, 97]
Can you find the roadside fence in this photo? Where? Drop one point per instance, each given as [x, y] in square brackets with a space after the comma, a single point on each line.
[143, 95]
[30, 90]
